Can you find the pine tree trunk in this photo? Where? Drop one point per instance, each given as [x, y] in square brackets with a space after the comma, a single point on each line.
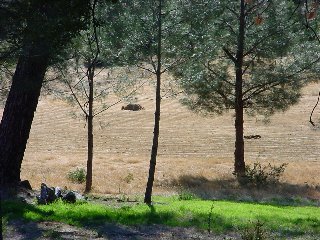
[19, 112]
[90, 133]
[1, 214]
[239, 164]
[154, 151]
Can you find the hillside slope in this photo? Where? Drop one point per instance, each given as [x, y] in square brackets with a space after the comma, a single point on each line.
[190, 144]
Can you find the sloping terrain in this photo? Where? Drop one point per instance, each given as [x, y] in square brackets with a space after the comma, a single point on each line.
[190, 145]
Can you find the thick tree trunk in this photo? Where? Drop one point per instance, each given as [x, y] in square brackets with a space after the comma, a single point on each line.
[1, 214]
[239, 164]
[90, 133]
[19, 111]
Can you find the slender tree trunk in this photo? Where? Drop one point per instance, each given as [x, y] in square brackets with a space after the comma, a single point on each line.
[19, 112]
[90, 133]
[239, 164]
[154, 151]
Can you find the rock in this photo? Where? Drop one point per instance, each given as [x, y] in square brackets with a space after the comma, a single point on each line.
[79, 196]
[25, 184]
[132, 107]
[70, 197]
[58, 192]
[42, 199]
[47, 194]
[51, 194]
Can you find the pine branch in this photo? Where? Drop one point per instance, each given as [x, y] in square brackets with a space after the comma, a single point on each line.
[229, 55]
[120, 100]
[310, 120]
[216, 74]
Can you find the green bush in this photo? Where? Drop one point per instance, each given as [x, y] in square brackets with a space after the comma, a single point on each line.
[263, 176]
[77, 176]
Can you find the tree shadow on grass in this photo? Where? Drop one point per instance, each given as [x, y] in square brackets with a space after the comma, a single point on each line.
[118, 224]
[281, 193]
[156, 225]
[122, 223]
[14, 211]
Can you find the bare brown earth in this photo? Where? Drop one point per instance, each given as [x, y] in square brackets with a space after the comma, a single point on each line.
[191, 146]
[51, 230]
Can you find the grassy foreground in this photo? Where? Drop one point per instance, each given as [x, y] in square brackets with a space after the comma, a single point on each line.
[224, 215]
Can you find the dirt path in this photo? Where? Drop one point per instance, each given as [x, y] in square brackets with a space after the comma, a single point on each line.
[19, 230]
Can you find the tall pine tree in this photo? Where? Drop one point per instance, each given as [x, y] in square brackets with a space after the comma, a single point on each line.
[37, 31]
[247, 56]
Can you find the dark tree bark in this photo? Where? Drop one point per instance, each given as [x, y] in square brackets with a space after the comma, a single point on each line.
[19, 111]
[239, 164]
[90, 131]
[90, 114]
[154, 151]
[1, 214]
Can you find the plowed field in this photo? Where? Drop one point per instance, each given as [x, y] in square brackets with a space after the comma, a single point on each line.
[190, 145]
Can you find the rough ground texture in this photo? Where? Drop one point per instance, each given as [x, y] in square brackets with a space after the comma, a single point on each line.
[19, 230]
[52, 230]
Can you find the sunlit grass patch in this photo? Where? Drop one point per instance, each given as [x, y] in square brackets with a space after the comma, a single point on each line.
[225, 215]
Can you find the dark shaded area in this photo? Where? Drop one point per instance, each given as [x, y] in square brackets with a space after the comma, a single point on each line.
[281, 193]
[116, 232]
[15, 209]
[27, 231]
[1, 219]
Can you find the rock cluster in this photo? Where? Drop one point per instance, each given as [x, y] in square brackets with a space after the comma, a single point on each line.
[51, 194]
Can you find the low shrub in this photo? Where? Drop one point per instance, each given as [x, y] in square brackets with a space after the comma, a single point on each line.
[263, 176]
[77, 176]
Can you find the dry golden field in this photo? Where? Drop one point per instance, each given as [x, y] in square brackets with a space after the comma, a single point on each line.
[192, 148]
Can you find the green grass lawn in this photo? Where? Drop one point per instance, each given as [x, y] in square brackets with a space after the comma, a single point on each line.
[225, 215]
